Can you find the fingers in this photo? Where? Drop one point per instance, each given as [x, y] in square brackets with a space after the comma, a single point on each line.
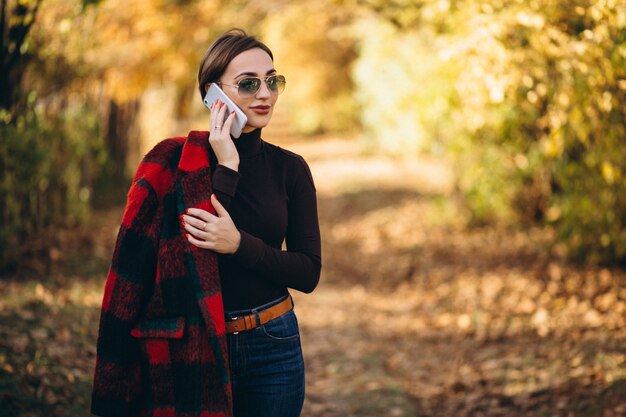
[202, 215]
[196, 233]
[213, 241]
[201, 238]
[220, 123]
[219, 208]
[214, 112]
[200, 223]
[221, 112]
[229, 121]
[199, 243]
[218, 110]
[192, 223]
[207, 233]
[217, 106]
[216, 233]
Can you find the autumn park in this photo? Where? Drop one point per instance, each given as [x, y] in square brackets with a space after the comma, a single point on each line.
[469, 161]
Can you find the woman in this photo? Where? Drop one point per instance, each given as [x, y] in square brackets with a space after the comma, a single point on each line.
[196, 318]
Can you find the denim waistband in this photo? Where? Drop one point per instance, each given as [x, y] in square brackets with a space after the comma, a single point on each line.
[239, 313]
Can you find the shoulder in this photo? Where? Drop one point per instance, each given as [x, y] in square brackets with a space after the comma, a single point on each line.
[166, 150]
[293, 162]
[159, 164]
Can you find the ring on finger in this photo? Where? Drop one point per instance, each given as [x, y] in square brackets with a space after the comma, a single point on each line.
[204, 227]
[218, 127]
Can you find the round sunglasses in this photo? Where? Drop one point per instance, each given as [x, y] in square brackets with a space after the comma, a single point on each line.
[247, 87]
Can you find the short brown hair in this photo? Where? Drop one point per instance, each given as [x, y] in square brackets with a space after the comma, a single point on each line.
[222, 51]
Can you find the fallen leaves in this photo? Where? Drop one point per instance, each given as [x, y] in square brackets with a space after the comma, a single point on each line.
[471, 321]
[414, 316]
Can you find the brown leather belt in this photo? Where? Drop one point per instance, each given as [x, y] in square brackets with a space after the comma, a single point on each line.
[249, 322]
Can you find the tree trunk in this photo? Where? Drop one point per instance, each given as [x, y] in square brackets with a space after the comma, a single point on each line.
[122, 137]
[15, 24]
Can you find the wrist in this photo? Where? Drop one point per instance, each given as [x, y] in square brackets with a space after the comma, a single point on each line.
[237, 242]
[234, 165]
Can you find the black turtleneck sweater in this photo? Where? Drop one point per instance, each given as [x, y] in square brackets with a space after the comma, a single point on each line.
[271, 199]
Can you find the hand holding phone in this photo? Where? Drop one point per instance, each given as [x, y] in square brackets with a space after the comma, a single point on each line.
[216, 93]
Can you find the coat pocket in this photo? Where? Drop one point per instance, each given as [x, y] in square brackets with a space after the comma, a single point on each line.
[169, 328]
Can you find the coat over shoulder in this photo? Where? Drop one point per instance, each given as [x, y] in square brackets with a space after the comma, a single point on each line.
[162, 346]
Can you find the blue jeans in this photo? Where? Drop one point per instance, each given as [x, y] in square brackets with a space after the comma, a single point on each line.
[266, 367]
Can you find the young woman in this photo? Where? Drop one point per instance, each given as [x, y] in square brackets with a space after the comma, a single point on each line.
[197, 319]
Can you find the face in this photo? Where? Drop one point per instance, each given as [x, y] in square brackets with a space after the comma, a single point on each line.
[260, 106]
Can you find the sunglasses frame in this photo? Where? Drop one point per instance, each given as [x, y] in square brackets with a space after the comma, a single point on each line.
[251, 93]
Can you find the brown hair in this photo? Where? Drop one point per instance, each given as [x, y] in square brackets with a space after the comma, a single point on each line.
[222, 51]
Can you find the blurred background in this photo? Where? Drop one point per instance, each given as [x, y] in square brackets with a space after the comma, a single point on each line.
[470, 165]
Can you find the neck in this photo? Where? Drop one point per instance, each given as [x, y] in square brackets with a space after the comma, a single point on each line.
[249, 143]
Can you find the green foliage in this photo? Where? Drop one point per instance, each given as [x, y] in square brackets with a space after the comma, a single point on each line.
[47, 168]
[533, 116]
[555, 81]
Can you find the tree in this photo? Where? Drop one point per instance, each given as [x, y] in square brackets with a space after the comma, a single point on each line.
[16, 21]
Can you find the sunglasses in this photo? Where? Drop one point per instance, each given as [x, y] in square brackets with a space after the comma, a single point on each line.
[247, 87]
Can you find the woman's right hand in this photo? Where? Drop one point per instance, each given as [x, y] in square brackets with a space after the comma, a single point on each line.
[220, 139]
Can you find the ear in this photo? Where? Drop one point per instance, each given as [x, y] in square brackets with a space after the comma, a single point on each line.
[206, 87]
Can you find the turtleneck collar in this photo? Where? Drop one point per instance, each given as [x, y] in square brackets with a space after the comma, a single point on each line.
[249, 144]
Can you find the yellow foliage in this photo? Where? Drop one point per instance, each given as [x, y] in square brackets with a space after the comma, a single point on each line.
[610, 172]
[529, 96]
[403, 85]
[144, 42]
[129, 46]
[315, 54]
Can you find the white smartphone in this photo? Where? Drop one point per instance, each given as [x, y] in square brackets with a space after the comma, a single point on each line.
[216, 93]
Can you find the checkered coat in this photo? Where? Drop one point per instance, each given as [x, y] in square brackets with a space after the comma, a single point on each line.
[161, 347]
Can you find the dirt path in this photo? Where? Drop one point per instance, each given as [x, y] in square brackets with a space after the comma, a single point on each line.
[417, 316]
[414, 316]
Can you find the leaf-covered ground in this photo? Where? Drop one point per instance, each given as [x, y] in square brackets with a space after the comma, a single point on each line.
[415, 315]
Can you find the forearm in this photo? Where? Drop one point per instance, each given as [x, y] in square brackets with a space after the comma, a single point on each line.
[225, 180]
[297, 268]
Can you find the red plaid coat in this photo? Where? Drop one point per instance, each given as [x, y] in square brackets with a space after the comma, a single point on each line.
[162, 345]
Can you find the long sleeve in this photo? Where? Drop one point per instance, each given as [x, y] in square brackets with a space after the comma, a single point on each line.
[225, 184]
[272, 200]
[299, 266]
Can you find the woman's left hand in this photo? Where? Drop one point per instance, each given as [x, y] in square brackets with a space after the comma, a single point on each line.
[207, 231]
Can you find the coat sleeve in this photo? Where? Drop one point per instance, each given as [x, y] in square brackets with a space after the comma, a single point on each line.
[117, 387]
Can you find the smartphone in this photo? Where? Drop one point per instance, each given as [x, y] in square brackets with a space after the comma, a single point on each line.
[216, 93]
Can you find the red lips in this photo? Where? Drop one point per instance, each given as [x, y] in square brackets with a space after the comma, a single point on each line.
[261, 109]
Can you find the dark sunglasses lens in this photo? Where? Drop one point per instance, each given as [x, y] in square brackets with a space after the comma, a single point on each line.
[249, 85]
[276, 83]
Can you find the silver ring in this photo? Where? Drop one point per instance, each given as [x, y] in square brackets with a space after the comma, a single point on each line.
[204, 227]
[218, 127]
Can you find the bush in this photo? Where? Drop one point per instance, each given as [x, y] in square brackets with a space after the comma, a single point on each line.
[534, 115]
[554, 74]
[47, 168]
